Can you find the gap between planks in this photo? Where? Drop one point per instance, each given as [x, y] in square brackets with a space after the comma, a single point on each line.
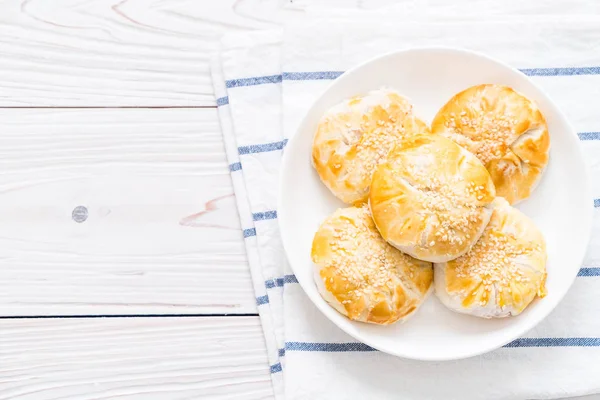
[100, 107]
[76, 316]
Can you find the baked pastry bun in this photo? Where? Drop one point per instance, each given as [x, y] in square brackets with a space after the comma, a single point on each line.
[502, 273]
[355, 136]
[505, 130]
[362, 276]
[431, 198]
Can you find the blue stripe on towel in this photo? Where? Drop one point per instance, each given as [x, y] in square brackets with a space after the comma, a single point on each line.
[330, 75]
[262, 300]
[271, 283]
[589, 135]
[279, 282]
[258, 80]
[521, 342]
[281, 352]
[276, 368]
[262, 148]
[589, 272]
[555, 342]
[596, 202]
[221, 101]
[290, 76]
[236, 166]
[327, 347]
[567, 71]
[260, 216]
[311, 76]
[249, 232]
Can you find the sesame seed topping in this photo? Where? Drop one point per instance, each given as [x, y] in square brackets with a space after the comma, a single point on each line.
[497, 263]
[487, 134]
[448, 204]
[362, 260]
[366, 128]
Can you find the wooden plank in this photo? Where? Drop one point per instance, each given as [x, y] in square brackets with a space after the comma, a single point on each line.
[161, 235]
[443, 9]
[132, 358]
[117, 52]
[149, 358]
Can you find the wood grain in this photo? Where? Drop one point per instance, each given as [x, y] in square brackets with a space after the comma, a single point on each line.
[117, 52]
[155, 53]
[427, 10]
[149, 358]
[162, 233]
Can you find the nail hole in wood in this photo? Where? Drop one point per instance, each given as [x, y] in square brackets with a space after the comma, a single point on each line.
[80, 214]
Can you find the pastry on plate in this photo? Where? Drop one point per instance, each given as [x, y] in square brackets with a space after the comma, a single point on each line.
[505, 130]
[354, 136]
[502, 273]
[363, 277]
[431, 198]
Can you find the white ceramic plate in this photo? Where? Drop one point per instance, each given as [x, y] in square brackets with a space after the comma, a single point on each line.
[561, 205]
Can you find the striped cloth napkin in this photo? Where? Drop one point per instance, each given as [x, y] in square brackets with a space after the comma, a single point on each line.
[265, 82]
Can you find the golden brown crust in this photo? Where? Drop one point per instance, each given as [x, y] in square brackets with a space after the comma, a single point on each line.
[502, 273]
[430, 198]
[362, 276]
[355, 136]
[505, 130]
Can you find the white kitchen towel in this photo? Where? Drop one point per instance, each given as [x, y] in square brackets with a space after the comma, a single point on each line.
[262, 286]
[560, 357]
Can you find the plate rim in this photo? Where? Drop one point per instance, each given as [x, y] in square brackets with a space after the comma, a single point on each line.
[585, 176]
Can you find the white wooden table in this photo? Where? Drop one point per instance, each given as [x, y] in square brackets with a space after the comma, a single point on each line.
[122, 264]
